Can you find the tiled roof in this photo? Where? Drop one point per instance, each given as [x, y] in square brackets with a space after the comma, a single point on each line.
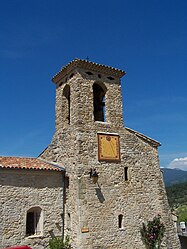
[28, 163]
[78, 63]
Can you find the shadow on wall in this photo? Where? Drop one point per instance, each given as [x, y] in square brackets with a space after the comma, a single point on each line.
[100, 195]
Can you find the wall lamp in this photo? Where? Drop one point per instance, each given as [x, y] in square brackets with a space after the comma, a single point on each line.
[94, 175]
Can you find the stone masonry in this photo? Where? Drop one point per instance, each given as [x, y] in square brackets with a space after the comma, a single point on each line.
[21, 189]
[92, 211]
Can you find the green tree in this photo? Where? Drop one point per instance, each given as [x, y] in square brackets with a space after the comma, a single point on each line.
[181, 212]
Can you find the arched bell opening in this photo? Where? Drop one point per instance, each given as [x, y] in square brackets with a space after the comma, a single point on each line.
[99, 91]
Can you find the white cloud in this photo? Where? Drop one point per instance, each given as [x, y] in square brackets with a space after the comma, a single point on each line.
[179, 163]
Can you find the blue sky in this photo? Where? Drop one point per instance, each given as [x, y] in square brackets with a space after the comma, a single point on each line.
[147, 39]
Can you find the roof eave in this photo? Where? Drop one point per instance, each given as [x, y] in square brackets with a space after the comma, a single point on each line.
[148, 139]
[78, 63]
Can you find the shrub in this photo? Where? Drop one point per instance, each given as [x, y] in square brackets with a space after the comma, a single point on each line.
[59, 243]
[153, 233]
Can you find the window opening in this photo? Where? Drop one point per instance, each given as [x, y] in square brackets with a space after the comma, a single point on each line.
[126, 173]
[99, 103]
[69, 222]
[33, 222]
[120, 221]
[89, 73]
[71, 76]
[66, 93]
[110, 78]
[104, 109]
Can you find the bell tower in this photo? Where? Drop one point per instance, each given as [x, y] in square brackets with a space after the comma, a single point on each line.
[86, 93]
[113, 181]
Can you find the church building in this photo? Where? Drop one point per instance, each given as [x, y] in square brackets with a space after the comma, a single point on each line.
[97, 181]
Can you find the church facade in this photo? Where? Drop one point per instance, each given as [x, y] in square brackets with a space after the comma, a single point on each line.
[108, 178]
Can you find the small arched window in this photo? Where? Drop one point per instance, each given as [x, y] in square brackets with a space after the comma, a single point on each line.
[126, 173]
[120, 221]
[66, 94]
[34, 221]
[69, 222]
[99, 102]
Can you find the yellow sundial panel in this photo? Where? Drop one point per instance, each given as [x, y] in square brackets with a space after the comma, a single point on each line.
[108, 147]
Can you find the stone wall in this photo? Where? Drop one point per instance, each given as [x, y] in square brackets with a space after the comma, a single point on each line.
[91, 210]
[97, 206]
[19, 191]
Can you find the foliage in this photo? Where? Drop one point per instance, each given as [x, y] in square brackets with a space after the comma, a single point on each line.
[59, 243]
[181, 212]
[177, 195]
[152, 233]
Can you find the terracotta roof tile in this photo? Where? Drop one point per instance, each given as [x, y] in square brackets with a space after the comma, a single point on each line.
[78, 63]
[28, 163]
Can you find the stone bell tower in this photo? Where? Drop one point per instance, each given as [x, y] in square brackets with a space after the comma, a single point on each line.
[88, 92]
[113, 181]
